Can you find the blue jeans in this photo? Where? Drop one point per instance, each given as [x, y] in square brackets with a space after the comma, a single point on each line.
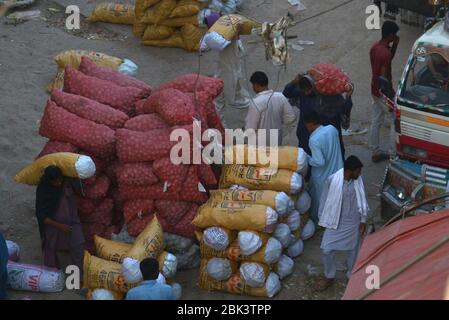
[3, 267]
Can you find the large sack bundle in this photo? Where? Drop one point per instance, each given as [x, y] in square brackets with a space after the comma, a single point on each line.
[100, 273]
[220, 269]
[192, 190]
[226, 26]
[279, 201]
[150, 243]
[133, 146]
[251, 241]
[236, 216]
[138, 224]
[107, 92]
[269, 253]
[34, 278]
[137, 208]
[290, 158]
[156, 191]
[284, 267]
[206, 175]
[142, 5]
[185, 8]
[88, 67]
[192, 35]
[283, 234]
[218, 238]
[113, 13]
[86, 206]
[13, 251]
[157, 32]
[53, 146]
[190, 83]
[103, 294]
[254, 274]
[159, 12]
[180, 22]
[71, 164]
[146, 122]
[171, 212]
[92, 229]
[174, 41]
[330, 80]
[184, 227]
[173, 175]
[236, 285]
[59, 124]
[281, 180]
[89, 109]
[102, 214]
[174, 106]
[136, 174]
[139, 28]
[99, 189]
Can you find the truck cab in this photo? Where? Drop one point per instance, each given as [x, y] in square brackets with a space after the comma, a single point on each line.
[422, 125]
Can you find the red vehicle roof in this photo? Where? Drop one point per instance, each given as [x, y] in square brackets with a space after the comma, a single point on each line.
[396, 245]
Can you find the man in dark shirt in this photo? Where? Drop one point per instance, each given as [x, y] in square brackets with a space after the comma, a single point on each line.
[381, 56]
[330, 108]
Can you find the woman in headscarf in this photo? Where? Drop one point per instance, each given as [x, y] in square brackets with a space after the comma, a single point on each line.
[57, 215]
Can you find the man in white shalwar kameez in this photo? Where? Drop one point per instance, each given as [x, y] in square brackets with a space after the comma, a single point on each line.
[343, 212]
[230, 68]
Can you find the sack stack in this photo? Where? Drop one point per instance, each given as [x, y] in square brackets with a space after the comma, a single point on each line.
[249, 222]
[169, 23]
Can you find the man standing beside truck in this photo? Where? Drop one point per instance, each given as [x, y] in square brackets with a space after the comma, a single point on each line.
[381, 56]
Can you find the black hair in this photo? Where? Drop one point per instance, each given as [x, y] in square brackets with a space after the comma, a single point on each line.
[51, 173]
[353, 163]
[149, 268]
[389, 28]
[305, 83]
[312, 117]
[259, 78]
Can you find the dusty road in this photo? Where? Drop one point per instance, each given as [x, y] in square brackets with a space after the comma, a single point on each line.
[26, 67]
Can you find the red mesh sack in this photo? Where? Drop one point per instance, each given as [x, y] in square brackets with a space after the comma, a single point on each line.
[92, 229]
[137, 208]
[172, 211]
[89, 109]
[111, 171]
[86, 206]
[146, 122]
[54, 146]
[107, 92]
[140, 106]
[206, 175]
[99, 189]
[100, 164]
[89, 246]
[91, 181]
[89, 68]
[330, 80]
[134, 146]
[137, 174]
[102, 213]
[136, 226]
[59, 124]
[190, 187]
[115, 195]
[174, 106]
[184, 227]
[191, 83]
[155, 191]
[107, 234]
[168, 172]
[214, 120]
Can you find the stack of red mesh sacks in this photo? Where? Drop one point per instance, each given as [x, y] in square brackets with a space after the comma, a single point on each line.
[98, 114]
[148, 180]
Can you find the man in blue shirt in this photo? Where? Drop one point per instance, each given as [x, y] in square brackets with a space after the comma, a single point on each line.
[150, 289]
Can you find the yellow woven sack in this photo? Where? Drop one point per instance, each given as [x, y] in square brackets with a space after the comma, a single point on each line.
[100, 273]
[185, 8]
[232, 215]
[58, 81]
[262, 197]
[287, 157]
[179, 22]
[226, 26]
[116, 295]
[192, 36]
[73, 58]
[149, 243]
[159, 12]
[113, 13]
[66, 161]
[142, 5]
[139, 29]
[175, 41]
[158, 32]
[257, 178]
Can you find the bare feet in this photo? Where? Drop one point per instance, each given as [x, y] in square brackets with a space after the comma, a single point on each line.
[323, 284]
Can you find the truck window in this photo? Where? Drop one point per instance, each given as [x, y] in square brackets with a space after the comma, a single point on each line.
[428, 81]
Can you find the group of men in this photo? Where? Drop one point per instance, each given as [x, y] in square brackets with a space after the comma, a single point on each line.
[339, 202]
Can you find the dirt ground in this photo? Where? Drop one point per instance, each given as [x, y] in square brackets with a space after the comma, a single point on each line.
[26, 67]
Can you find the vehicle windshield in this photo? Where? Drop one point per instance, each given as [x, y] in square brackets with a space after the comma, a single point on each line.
[427, 81]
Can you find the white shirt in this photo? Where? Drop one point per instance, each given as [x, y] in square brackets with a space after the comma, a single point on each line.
[214, 41]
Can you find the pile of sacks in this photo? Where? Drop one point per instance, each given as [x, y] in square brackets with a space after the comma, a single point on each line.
[124, 127]
[115, 268]
[251, 227]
